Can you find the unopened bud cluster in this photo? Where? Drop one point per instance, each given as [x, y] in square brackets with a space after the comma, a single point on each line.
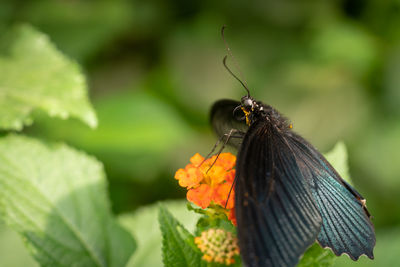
[218, 246]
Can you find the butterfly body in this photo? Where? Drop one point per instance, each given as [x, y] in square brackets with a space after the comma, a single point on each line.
[286, 194]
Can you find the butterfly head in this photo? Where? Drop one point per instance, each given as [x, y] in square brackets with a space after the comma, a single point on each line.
[247, 103]
[249, 107]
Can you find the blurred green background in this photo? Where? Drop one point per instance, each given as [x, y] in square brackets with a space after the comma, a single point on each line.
[154, 68]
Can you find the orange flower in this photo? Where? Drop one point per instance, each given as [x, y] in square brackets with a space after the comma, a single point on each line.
[188, 177]
[201, 196]
[221, 194]
[197, 159]
[209, 181]
[226, 160]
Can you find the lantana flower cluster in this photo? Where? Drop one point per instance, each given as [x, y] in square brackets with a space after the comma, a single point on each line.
[209, 182]
[218, 245]
[210, 186]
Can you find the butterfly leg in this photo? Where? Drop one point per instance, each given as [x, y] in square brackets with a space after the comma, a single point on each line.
[227, 137]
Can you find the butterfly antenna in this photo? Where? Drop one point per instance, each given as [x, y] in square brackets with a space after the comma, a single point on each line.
[244, 84]
[231, 73]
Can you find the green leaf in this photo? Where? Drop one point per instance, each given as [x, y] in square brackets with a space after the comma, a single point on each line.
[143, 224]
[178, 244]
[12, 249]
[339, 160]
[56, 198]
[35, 76]
[317, 257]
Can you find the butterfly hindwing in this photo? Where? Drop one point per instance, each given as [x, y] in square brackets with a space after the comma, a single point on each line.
[346, 226]
[276, 213]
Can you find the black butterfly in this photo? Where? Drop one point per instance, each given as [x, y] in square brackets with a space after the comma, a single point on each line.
[287, 195]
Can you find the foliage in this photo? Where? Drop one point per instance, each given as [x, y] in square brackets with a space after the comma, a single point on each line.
[54, 196]
[36, 76]
[316, 257]
[144, 226]
[178, 244]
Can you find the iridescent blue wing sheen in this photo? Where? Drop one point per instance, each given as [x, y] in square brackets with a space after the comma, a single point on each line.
[277, 216]
[346, 226]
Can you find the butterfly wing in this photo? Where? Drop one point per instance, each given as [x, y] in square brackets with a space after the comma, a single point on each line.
[346, 226]
[223, 120]
[277, 216]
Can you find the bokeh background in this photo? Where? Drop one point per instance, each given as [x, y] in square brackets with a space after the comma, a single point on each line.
[154, 68]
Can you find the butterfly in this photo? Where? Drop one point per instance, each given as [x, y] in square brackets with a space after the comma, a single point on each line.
[287, 195]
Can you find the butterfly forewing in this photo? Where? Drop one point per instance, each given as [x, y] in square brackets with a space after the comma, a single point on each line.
[276, 213]
[223, 120]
